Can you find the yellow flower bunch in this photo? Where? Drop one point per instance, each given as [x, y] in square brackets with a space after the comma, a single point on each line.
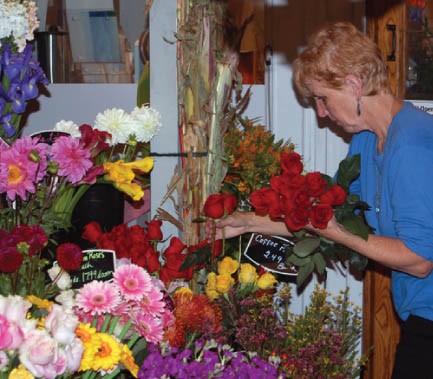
[103, 352]
[253, 157]
[220, 284]
[122, 175]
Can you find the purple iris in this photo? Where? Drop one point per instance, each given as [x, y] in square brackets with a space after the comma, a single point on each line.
[7, 125]
[20, 73]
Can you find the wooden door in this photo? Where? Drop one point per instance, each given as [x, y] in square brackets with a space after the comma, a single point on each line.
[386, 21]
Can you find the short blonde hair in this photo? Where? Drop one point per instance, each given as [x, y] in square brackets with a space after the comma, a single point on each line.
[336, 50]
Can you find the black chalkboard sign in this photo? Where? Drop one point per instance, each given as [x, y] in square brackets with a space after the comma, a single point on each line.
[48, 136]
[98, 264]
[269, 252]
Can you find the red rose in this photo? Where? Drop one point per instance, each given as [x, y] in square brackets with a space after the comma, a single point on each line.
[316, 185]
[291, 163]
[335, 195]
[136, 234]
[154, 230]
[280, 184]
[320, 214]
[214, 206]
[263, 199]
[297, 181]
[92, 232]
[296, 219]
[152, 261]
[105, 241]
[230, 203]
[302, 199]
[69, 256]
[10, 259]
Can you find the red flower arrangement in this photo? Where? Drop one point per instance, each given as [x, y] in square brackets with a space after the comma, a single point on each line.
[297, 198]
[140, 247]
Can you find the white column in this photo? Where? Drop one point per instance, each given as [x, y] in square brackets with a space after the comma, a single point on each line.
[163, 97]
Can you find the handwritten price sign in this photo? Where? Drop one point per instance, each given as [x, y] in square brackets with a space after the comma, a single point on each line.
[97, 265]
[269, 252]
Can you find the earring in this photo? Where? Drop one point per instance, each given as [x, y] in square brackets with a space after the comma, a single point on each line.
[358, 109]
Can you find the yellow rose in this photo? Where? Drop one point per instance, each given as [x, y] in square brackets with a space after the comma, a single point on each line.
[227, 266]
[143, 165]
[266, 281]
[224, 282]
[247, 274]
[20, 373]
[211, 286]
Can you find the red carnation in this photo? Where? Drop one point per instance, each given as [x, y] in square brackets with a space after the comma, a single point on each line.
[335, 195]
[92, 232]
[154, 230]
[291, 163]
[320, 214]
[69, 256]
[10, 259]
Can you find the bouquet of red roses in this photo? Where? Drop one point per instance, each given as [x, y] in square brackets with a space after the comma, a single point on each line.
[301, 198]
[298, 198]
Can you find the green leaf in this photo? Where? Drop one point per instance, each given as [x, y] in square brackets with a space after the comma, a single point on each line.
[293, 259]
[355, 225]
[348, 170]
[358, 261]
[198, 257]
[329, 180]
[305, 247]
[320, 263]
[304, 273]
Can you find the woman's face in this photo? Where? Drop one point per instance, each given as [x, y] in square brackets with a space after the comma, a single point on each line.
[337, 104]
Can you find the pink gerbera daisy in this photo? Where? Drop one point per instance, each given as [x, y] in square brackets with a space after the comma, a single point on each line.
[133, 281]
[98, 297]
[149, 327]
[152, 302]
[72, 158]
[17, 174]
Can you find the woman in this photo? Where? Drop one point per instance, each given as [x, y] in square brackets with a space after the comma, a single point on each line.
[343, 72]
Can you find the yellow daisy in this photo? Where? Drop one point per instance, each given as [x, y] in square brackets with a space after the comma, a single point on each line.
[85, 332]
[109, 353]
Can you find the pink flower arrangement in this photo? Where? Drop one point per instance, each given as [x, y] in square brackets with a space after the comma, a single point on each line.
[133, 296]
[48, 351]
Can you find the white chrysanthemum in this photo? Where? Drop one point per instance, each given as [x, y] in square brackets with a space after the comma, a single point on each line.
[148, 123]
[69, 127]
[116, 122]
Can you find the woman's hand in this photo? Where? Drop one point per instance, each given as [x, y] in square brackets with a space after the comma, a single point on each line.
[234, 225]
[246, 222]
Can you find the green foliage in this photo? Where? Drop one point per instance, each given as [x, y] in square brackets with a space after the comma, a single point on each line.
[324, 340]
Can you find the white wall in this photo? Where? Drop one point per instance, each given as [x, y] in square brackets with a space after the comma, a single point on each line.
[77, 102]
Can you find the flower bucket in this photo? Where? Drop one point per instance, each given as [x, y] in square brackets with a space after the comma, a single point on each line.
[102, 203]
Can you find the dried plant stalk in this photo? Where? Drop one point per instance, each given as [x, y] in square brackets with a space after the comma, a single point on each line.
[208, 46]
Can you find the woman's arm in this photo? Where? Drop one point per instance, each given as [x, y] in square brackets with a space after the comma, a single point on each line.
[390, 252]
[246, 222]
